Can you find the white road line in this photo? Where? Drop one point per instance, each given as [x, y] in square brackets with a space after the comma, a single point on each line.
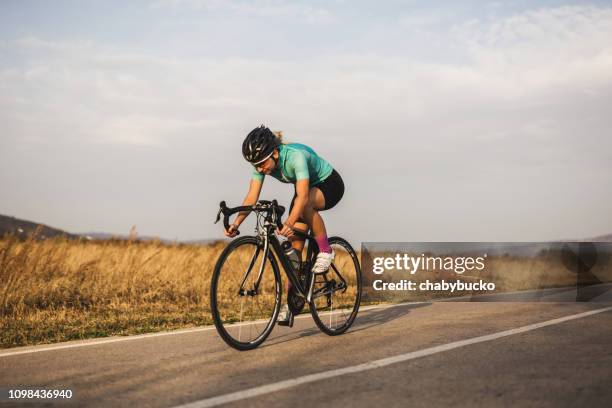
[282, 385]
[85, 343]
[60, 346]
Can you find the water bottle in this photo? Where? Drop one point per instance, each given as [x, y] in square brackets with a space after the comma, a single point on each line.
[293, 256]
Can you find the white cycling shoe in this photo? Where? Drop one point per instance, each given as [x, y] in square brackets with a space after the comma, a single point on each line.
[285, 317]
[323, 262]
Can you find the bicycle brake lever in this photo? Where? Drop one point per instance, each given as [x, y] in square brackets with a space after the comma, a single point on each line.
[218, 216]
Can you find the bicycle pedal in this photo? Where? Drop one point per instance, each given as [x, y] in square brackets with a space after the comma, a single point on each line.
[288, 322]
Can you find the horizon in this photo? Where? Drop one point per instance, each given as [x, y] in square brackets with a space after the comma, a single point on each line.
[125, 235]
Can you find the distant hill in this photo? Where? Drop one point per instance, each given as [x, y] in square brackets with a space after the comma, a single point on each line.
[106, 235]
[602, 238]
[23, 228]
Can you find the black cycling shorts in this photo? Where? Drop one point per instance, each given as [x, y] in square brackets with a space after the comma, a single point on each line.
[332, 188]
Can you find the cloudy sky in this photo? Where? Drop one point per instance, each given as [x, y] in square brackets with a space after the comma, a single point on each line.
[449, 121]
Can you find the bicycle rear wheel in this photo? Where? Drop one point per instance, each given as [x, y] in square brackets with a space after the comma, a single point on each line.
[244, 303]
[337, 292]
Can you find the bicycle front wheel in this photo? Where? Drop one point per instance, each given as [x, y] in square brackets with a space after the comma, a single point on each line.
[337, 292]
[244, 298]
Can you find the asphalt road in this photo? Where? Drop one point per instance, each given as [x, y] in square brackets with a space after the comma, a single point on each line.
[424, 354]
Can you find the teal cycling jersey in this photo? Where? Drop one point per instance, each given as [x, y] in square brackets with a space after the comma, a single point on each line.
[298, 162]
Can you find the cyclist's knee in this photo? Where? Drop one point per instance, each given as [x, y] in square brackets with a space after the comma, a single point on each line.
[309, 210]
[301, 226]
[316, 199]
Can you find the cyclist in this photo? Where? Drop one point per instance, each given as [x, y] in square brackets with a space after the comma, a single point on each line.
[317, 187]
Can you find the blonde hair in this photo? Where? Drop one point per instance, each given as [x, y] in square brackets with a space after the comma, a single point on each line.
[279, 136]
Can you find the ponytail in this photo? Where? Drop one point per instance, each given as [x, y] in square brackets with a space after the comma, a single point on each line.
[279, 137]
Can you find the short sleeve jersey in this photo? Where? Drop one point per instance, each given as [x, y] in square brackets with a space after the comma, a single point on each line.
[297, 162]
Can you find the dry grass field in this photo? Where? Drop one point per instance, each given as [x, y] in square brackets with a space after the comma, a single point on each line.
[59, 289]
[509, 273]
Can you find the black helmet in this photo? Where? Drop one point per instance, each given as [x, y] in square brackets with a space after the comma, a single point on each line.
[259, 144]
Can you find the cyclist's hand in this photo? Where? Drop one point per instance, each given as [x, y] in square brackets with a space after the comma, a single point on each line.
[232, 231]
[286, 231]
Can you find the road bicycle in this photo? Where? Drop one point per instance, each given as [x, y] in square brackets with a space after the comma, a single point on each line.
[246, 288]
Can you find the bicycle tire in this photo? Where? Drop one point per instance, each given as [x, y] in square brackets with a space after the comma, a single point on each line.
[348, 315]
[218, 304]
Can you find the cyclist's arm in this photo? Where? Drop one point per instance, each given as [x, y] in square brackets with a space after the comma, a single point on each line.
[302, 176]
[302, 190]
[250, 199]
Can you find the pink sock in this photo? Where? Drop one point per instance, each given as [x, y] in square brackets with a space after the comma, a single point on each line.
[323, 244]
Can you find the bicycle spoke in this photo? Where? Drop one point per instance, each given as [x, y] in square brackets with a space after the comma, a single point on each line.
[339, 291]
[331, 311]
[235, 298]
[240, 321]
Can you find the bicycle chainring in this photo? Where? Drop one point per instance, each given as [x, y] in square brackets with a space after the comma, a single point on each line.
[296, 303]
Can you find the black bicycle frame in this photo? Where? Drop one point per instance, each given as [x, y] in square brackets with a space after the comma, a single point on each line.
[286, 263]
[270, 239]
[272, 221]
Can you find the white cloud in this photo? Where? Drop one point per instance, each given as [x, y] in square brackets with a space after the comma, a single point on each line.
[140, 99]
[260, 8]
[520, 112]
[545, 36]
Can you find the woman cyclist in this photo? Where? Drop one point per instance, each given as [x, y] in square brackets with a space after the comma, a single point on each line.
[317, 187]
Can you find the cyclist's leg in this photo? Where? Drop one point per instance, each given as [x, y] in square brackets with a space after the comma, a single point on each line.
[323, 196]
[285, 317]
[296, 242]
[311, 219]
[312, 215]
[316, 203]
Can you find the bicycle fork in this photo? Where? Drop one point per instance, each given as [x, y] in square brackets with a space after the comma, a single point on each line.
[255, 290]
